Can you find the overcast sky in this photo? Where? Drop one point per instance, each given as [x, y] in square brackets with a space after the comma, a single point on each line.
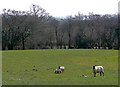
[62, 8]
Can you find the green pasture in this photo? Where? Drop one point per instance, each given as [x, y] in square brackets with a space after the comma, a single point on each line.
[18, 65]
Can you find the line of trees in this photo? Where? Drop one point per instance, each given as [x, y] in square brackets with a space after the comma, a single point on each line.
[36, 29]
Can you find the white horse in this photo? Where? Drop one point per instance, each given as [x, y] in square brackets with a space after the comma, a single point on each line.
[97, 69]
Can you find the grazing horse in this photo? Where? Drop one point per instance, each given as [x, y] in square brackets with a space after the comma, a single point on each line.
[97, 69]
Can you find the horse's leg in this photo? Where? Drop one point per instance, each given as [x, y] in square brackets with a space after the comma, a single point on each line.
[94, 74]
[100, 73]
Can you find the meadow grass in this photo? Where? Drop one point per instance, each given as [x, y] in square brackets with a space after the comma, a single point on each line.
[18, 65]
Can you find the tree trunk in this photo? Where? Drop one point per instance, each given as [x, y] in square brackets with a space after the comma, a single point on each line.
[69, 43]
[64, 46]
[23, 43]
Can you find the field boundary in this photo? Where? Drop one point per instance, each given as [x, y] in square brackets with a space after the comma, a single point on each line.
[60, 86]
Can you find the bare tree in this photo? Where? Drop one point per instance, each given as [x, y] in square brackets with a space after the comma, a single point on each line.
[55, 25]
[69, 30]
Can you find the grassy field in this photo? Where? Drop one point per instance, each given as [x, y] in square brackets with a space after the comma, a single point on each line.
[18, 67]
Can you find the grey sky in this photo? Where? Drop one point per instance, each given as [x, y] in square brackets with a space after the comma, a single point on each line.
[62, 8]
